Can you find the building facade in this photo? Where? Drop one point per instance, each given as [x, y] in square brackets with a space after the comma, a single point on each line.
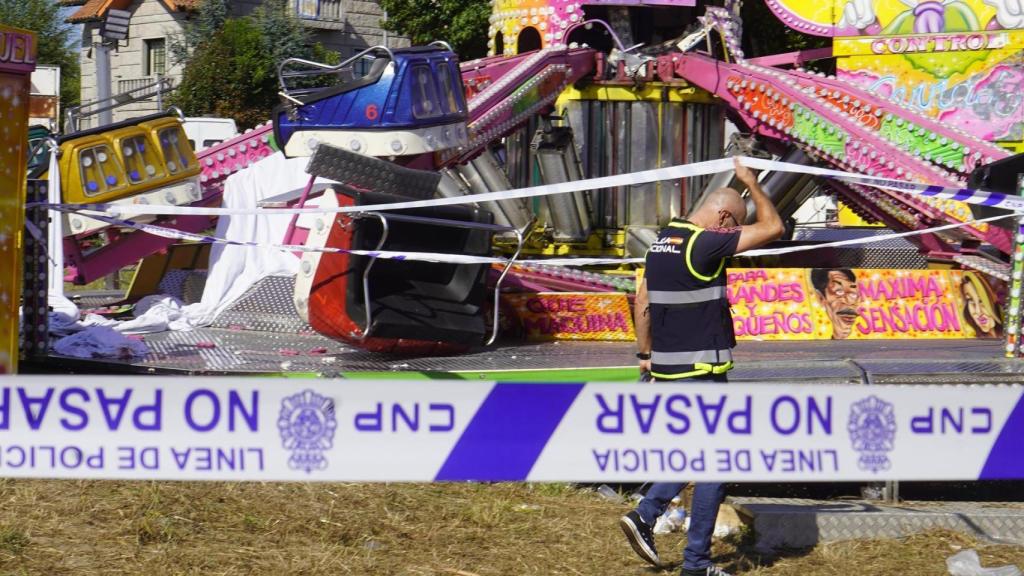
[143, 59]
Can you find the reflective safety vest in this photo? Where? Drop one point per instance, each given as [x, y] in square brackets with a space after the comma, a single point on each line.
[691, 326]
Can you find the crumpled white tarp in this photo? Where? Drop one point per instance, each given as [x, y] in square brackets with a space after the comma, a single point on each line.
[234, 269]
[158, 313]
[94, 336]
[155, 313]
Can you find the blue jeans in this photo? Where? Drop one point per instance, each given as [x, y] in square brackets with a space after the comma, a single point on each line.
[707, 497]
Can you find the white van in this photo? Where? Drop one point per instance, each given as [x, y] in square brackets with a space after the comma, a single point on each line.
[205, 132]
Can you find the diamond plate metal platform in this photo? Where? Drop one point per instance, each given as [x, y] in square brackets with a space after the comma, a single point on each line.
[262, 333]
[239, 351]
[886, 252]
[799, 523]
[993, 268]
[266, 307]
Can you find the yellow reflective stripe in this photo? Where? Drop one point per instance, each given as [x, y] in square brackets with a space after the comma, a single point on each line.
[701, 369]
[684, 225]
[679, 376]
[721, 368]
[689, 262]
[689, 250]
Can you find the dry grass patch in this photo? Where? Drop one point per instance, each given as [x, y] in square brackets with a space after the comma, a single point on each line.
[78, 527]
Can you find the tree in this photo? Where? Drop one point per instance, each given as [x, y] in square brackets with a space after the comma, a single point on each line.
[210, 19]
[461, 23]
[54, 40]
[231, 68]
[764, 34]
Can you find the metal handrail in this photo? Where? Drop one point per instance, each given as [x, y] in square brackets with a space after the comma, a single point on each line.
[694, 38]
[321, 68]
[75, 113]
[442, 44]
[366, 272]
[178, 111]
[439, 222]
[50, 140]
[615, 37]
[497, 286]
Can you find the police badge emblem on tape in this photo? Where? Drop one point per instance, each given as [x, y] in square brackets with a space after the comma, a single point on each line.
[872, 430]
[307, 424]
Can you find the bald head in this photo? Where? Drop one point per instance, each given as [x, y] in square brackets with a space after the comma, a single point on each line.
[712, 211]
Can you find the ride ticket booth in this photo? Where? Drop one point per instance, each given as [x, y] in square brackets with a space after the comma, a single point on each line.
[17, 61]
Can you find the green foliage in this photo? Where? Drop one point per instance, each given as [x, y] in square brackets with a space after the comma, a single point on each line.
[232, 70]
[210, 19]
[764, 34]
[461, 23]
[55, 40]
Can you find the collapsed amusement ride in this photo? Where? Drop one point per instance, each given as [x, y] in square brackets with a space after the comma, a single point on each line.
[431, 215]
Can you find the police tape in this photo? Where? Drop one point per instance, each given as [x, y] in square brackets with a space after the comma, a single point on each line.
[229, 428]
[437, 257]
[982, 197]
[879, 238]
[173, 234]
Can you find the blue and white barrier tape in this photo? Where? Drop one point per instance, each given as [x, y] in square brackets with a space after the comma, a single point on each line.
[463, 259]
[268, 430]
[206, 239]
[994, 199]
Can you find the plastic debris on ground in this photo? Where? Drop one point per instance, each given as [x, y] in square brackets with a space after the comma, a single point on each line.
[672, 520]
[967, 563]
[609, 493]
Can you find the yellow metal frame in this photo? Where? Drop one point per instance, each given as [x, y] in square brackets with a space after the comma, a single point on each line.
[16, 65]
[600, 243]
[650, 92]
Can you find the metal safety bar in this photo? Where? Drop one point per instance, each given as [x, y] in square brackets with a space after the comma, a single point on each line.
[319, 68]
[588, 23]
[692, 40]
[48, 141]
[438, 222]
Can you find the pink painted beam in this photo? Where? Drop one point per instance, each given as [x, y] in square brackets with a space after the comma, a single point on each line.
[220, 161]
[130, 248]
[503, 93]
[979, 150]
[793, 58]
[864, 200]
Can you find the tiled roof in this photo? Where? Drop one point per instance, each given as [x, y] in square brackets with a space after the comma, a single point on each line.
[94, 10]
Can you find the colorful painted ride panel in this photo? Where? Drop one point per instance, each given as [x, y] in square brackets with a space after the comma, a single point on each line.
[791, 304]
[958, 61]
[972, 81]
[847, 127]
[544, 23]
[17, 60]
[862, 304]
[505, 92]
[838, 18]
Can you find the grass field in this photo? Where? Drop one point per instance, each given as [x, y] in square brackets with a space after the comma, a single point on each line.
[78, 527]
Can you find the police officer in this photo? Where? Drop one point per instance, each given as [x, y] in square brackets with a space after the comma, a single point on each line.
[684, 334]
